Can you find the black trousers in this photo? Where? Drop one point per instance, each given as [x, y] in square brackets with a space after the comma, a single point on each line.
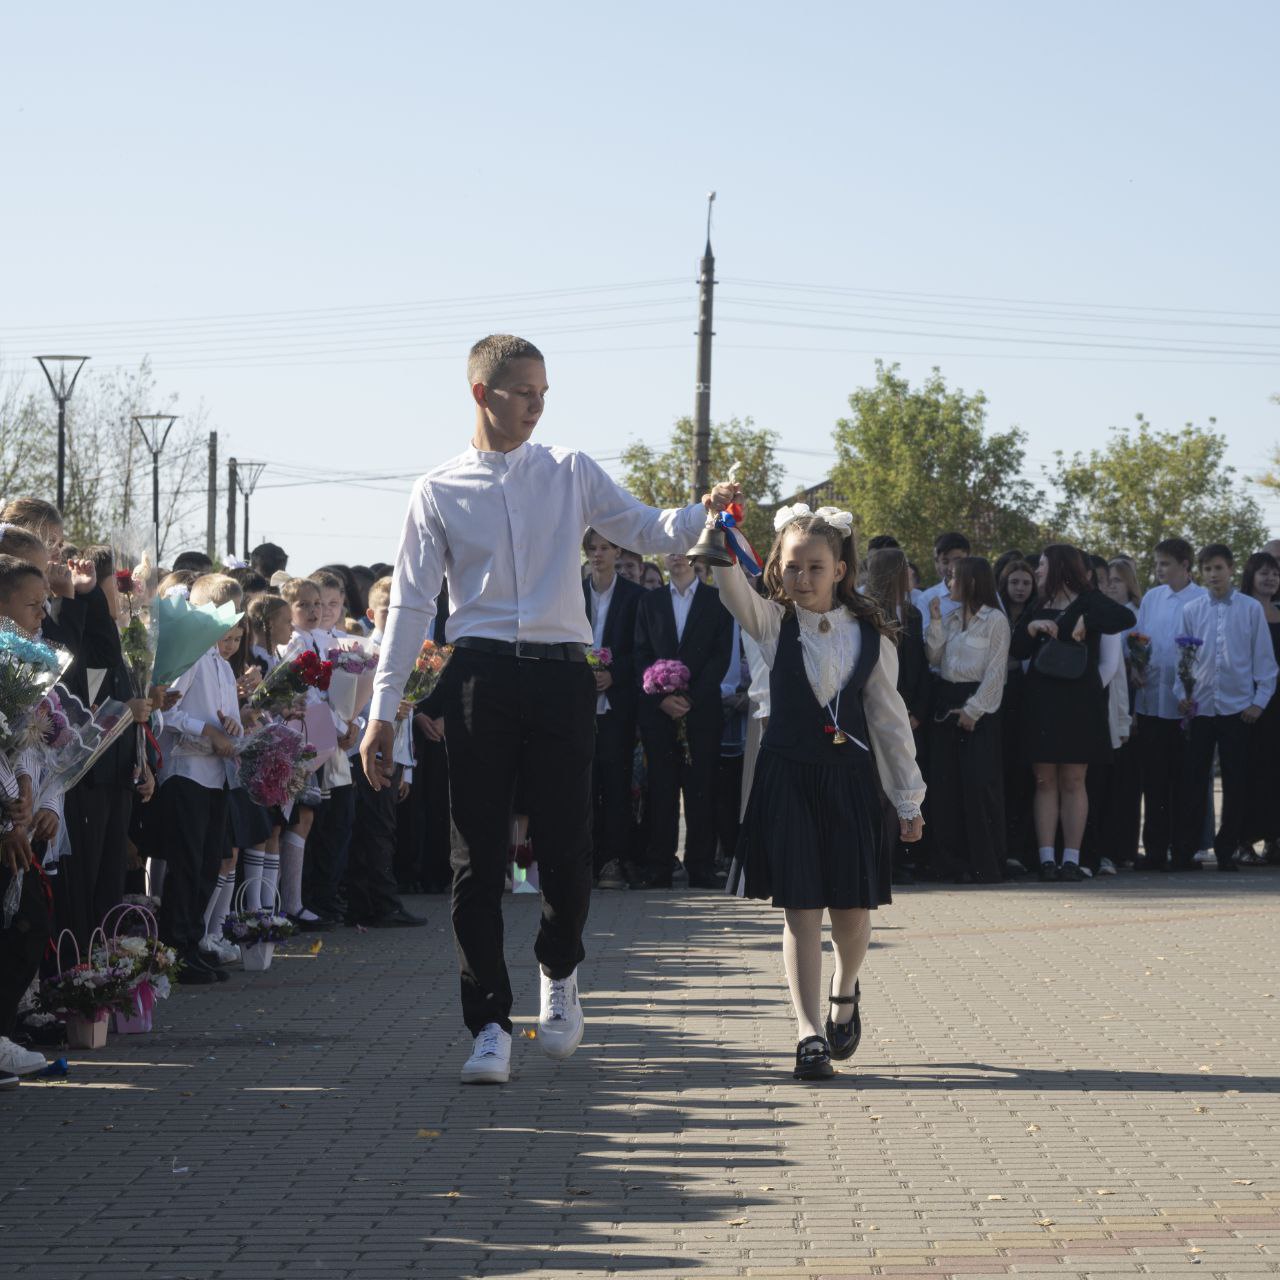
[1160, 749]
[422, 822]
[1230, 735]
[97, 820]
[22, 943]
[193, 839]
[328, 847]
[612, 828]
[669, 777]
[966, 779]
[729, 799]
[371, 879]
[1115, 809]
[533, 719]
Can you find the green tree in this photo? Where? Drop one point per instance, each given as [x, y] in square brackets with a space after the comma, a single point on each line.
[664, 477]
[916, 462]
[1147, 485]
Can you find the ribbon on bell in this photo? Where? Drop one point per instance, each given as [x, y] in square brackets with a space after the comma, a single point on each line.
[738, 544]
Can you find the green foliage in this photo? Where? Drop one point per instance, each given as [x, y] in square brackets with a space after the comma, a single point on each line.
[916, 462]
[664, 478]
[1147, 485]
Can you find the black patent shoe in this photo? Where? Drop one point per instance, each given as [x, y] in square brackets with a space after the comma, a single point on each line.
[1049, 871]
[1071, 871]
[844, 1037]
[813, 1060]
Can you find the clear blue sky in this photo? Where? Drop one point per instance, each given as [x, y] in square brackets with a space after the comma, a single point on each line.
[382, 179]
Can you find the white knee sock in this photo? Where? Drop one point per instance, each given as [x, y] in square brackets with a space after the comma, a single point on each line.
[253, 864]
[1046, 854]
[219, 905]
[1071, 855]
[270, 878]
[802, 959]
[156, 867]
[292, 848]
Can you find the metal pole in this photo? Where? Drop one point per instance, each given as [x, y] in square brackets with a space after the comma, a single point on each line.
[702, 388]
[211, 529]
[61, 388]
[62, 454]
[246, 526]
[231, 506]
[155, 497]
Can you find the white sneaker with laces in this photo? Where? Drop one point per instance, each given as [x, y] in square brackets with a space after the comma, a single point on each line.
[17, 1061]
[560, 1022]
[1106, 867]
[227, 951]
[490, 1061]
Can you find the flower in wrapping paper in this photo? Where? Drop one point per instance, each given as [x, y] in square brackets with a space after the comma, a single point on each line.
[150, 960]
[1188, 649]
[248, 928]
[600, 659]
[285, 689]
[91, 989]
[28, 671]
[1139, 650]
[49, 726]
[139, 655]
[274, 764]
[352, 661]
[124, 582]
[428, 667]
[665, 677]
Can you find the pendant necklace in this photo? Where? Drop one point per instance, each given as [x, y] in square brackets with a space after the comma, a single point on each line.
[838, 735]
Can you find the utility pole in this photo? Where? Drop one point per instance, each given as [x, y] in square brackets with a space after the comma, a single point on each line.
[232, 490]
[702, 388]
[247, 476]
[62, 372]
[155, 428]
[211, 524]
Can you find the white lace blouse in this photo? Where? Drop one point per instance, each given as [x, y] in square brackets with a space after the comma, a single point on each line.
[829, 659]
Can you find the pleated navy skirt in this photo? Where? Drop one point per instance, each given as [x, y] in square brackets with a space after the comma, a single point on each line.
[810, 837]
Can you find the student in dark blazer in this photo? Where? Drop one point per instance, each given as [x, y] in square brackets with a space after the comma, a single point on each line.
[611, 602]
[684, 620]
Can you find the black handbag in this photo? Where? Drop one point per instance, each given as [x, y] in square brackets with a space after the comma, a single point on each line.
[1061, 659]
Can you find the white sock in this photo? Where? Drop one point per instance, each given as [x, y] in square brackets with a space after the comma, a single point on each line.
[1046, 855]
[270, 878]
[1071, 855]
[292, 848]
[219, 905]
[253, 866]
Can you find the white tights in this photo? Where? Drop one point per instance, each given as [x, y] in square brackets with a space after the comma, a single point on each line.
[802, 957]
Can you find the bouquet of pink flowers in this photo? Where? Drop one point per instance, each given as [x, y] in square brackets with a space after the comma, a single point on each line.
[352, 661]
[274, 764]
[665, 677]
[600, 659]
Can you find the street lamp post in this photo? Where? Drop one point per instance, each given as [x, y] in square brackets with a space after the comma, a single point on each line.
[155, 428]
[62, 372]
[247, 476]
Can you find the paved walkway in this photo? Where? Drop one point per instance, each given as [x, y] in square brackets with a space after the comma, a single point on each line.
[1064, 1080]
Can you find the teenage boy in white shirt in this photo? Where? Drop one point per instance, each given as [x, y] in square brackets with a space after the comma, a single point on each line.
[504, 521]
[1234, 678]
[1158, 733]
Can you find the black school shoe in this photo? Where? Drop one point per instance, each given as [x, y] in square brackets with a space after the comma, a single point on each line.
[813, 1060]
[1049, 870]
[1071, 871]
[843, 1038]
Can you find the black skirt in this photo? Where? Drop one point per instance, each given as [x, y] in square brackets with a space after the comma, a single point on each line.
[250, 822]
[810, 837]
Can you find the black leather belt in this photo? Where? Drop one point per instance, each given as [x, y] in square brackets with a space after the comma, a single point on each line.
[525, 650]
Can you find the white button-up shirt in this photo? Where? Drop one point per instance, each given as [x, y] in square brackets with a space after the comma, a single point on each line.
[976, 654]
[1235, 668]
[600, 602]
[1159, 616]
[207, 688]
[505, 529]
[682, 602]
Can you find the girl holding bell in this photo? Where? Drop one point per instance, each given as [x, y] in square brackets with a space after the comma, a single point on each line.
[810, 837]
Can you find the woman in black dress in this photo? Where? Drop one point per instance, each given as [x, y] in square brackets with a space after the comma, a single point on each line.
[1261, 580]
[1064, 725]
[1017, 592]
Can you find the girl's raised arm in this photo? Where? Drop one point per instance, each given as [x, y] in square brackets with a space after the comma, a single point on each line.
[761, 619]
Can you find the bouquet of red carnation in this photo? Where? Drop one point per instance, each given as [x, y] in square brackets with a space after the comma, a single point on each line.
[285, 689]
[665, 677]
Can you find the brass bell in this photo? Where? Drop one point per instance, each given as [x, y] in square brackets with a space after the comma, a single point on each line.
[713, 547]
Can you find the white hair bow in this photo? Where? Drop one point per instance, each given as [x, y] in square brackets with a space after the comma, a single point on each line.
[179, 591]
[837, 519]
[234, 562]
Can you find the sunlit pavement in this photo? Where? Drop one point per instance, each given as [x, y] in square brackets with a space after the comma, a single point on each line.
[1055, 1080]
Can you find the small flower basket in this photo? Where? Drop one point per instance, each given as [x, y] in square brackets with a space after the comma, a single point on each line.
[256, 932]
[154, 966]
[88, 993]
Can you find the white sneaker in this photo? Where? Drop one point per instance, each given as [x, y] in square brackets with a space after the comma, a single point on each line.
[1106, 867]
[227, 951]
[490, 1061]
[560, 1021]
[17, 1061]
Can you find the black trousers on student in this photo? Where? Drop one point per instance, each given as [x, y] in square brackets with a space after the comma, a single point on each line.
[328, 847]
[967, 784]
[1230, 735]
[371, 878]
[729, 799]
[97, 818]
[22, 943]
[195, 837]
[669, 777]
[1115, 809]
[506, 717]
[1160, 749]
[612, 828]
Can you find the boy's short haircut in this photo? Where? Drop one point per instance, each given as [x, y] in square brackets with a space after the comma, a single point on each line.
[15, 540]
[595, 533]
[250, 580]
[12, 572]
[268, 558]
[949, 542]
[327, 581]
[30, 513]
[104, 560]
[489, 358]
[196, 560]
[380, 594]
[625, 554]
[292, 589]
[216, 588]
[1215, 551]
[1178, 549]
[178, 578]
